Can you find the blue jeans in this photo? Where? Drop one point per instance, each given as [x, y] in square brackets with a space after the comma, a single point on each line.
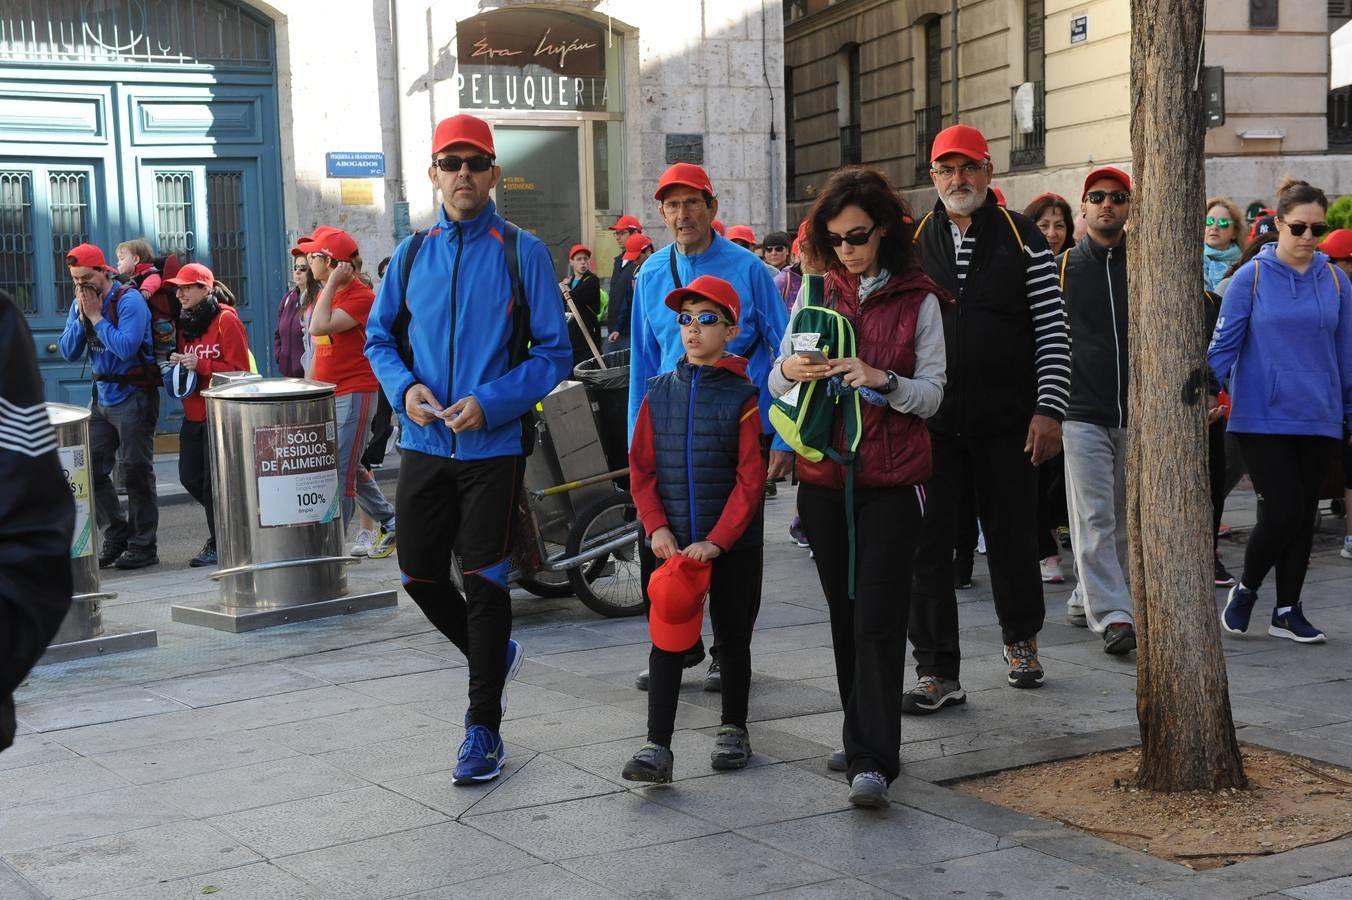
[126, 430]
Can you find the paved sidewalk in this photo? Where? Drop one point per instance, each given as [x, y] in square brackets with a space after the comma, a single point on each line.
[313, 760]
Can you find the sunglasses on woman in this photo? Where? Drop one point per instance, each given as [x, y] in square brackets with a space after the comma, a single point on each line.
[1318, 229]
[301, 268]
[1119, 198]
[854, 238]
[453, 163]
[1219, 223]
[706, 319]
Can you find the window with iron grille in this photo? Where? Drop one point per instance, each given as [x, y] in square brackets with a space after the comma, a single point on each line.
[1262, 13]
[174, 217]
[851, 104]
[68, 210]
[16, 240]
[225, 228]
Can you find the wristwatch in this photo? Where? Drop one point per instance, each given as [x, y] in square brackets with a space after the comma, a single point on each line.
[891, 382]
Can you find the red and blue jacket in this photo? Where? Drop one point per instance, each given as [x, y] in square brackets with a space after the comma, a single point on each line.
[460, 300]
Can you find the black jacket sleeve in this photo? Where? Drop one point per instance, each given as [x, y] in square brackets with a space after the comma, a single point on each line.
[37, 516]
[621, 292]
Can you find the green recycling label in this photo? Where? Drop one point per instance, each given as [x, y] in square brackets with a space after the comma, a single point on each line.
[75, 468]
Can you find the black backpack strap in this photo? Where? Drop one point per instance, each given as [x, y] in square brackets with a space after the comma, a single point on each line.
[675, 276]
[519, 341]
[399, 329]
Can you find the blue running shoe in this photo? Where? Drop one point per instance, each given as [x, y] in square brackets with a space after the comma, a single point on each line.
[1238, 608]
[480, 757]
[1295, 627]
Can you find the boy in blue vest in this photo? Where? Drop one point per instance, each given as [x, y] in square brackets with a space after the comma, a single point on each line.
[698, 477]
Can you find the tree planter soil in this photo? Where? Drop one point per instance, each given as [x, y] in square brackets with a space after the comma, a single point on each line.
[1290, 802]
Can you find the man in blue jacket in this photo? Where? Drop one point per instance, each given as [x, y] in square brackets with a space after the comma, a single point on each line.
[685, 197]
[464, 361]
[111, 322]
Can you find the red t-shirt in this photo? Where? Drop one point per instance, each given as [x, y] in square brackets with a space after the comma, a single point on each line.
[223, 348]
[340, 358]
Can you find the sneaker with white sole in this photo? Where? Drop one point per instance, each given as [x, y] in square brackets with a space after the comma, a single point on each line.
[480, 757]
[869, 790]
[1051, 570]
[1293, 626]
[837, 761]
[732, 748]
[1075, 615]
[651, 764]
[383, 544]
[931, 694]
[366, 539]
[1238, 609]
[1025, 671]
[1346, 552]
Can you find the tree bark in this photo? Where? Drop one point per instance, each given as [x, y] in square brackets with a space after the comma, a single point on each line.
[1182, 696]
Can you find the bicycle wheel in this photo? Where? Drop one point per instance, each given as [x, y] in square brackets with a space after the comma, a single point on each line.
[611, 584]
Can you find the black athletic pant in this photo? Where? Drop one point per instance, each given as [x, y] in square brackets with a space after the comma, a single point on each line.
[1286, 470]
[446, 504]
[194, 468]
[868, 633]
[1216, 470]
[1006, 496]
[734, 602]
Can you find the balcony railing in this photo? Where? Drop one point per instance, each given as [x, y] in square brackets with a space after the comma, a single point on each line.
[851, 153]
[1340, 118]
[928, 123]
[1028, 127]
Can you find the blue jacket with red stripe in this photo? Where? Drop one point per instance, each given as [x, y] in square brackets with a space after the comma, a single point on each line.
[460, 300]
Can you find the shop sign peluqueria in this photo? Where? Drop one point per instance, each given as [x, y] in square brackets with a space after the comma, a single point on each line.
[529, 59]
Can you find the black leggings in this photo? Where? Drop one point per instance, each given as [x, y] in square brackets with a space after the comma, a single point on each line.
[1216, 475]
[194, 468]
[1286, 470]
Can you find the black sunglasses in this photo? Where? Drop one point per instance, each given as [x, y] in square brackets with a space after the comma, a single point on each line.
[1318, 229]
[301, 268]
[1119, 198]
[453, 163]
[705, 318]
[1219, 223]
[775, 248]
[854, 238]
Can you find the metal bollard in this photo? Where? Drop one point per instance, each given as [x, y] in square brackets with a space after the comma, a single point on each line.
[82, 632]
[279, 533]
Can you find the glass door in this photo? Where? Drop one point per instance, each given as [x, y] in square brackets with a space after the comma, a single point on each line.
[542, 184]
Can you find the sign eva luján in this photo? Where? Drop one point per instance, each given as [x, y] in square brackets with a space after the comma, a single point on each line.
[531, 59]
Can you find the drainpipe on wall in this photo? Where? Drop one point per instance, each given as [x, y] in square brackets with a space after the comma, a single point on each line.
[772, 158]
[953, 61]
[401, 218]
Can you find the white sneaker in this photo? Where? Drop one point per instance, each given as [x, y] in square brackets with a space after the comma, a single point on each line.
[980, 540]
[384, 543]
[363, 544]
[1051, 570]
[1346, 552]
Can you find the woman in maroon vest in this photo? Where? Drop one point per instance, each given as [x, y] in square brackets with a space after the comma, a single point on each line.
[856, 234]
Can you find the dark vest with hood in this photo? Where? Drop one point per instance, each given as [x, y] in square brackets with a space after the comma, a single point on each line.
[696, 414]
[1094, 285]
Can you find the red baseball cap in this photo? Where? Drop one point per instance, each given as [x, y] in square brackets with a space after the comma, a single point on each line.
[306, 242]
[741, 233]
[87, 256]
[676, 590]
[1338, 244]
[626, 222]
[719, 227]
[962, 139]
[193, 273]
[1106, 172]
[579, 248]
[337, 244]
[711, 288]
[802, 236]
[635, 245]
[687, 174]
[463, 129]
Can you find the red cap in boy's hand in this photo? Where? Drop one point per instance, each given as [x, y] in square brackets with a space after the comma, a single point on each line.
[676, 590]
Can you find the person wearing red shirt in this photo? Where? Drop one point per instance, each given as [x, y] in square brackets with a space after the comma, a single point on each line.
[338, 326]
[209, 338]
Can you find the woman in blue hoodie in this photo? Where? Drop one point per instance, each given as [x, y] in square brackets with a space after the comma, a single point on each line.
[1283, 348]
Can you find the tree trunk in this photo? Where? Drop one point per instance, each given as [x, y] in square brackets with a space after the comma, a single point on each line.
[1182, 695]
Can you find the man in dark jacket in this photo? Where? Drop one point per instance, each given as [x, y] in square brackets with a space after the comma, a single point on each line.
[1008, 378]
[637, 248]
[1093, 276]
[37, 516]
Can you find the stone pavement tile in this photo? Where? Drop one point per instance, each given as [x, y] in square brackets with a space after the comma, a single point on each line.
[229, 685]
[296, 706]
[1341, 732]
[688, 715]
[839, 889]
[691, 750]
[179, 759]
[53, 781]
[129, 734]
[443, 685]
[791, 637]
[1334, 889]
[260, 881]
[542, 780]
[218, 793]
[14, 886]
[1016, 872]
[755, 796]
[795, 665]
[31, 749]
[397, 864]
[437, 789]
[317, 822]
[71, 710]
[132, 859]
[546, 640]
[525, 700]
[595, 690]
[590, 826]
[794, 607]
[366, 662]
[862, 842]
[821, 728]
[626, 630]
[537, 881]
[721, 865]
[351, 729]
[1055, 632]
[51, 822]
[1249, 711]
[774, 699]
[789, 747]
[1328, 697]
[401, 757]
[622, 659]
[575, 728]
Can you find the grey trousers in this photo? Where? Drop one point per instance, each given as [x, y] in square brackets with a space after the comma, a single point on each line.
[353, 414]
[1096, 498]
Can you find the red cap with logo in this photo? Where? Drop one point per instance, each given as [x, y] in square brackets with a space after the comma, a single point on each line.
[87, 256]
[1338, 244]
[337, 244]
[578, 248]
[677, 590]
[307, 243]
[635, 245]
[625, 222]
[741, 233]
[962, 139]
[463, 129]
[193, 273]
[688, 174]
[1112, 172]
[711, 288]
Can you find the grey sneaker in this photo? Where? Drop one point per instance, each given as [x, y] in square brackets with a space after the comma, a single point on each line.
[732, 748]
[1075, 615]
[652, 764]
[837, 762]
[869, 790]
[713, 682]
[930, 694]
[641, 682]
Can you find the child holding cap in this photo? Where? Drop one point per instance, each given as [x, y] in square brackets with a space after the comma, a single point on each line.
[697, 477]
